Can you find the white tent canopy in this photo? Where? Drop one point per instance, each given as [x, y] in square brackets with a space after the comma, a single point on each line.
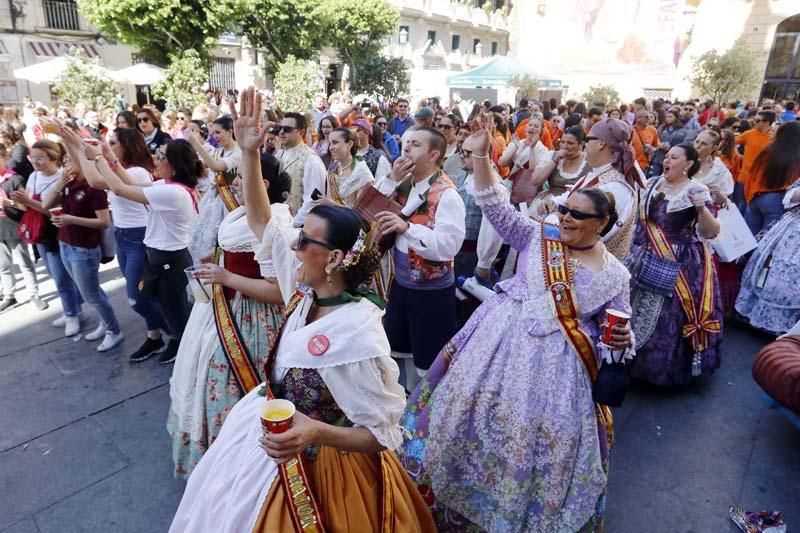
[139, 74]
[49, 71]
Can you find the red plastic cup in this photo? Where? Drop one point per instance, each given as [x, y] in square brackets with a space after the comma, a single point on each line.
[56, 211]
[613, 317]
[277, 416]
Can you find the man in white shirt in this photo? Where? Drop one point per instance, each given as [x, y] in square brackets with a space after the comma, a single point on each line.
[318, 111]
[302, 164]
[421, 316]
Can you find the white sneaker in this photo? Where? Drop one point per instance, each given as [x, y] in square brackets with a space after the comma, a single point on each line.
[72, 326]
[110, 341]
[97, 334]
[62, 320]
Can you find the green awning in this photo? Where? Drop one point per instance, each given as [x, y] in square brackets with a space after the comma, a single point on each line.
[498, 71]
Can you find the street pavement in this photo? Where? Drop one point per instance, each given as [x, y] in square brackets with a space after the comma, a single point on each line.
[84, 446]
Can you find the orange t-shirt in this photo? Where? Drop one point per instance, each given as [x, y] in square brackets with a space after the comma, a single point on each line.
[753, 141]
[733, 164]
[641, 137]
[546, 138]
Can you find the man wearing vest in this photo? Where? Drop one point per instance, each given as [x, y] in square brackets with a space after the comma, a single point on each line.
[421, 316]
[302, 164]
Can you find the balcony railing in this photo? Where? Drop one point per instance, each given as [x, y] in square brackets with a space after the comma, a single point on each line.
[61, 14]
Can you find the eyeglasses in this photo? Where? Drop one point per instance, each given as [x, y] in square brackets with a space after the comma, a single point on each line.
[143, 119]
[39, 159]
[381, 124]
[287, 129]
[303, 241]
[591, 138]
[445, 127]
[574, 213]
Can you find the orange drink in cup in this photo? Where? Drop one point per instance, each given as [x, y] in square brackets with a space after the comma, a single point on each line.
[276, 415]
[613, 317]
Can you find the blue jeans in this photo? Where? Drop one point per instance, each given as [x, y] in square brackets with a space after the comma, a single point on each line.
[83, 264]
[738, 197]
[71, 299]
[132, 256]
[763, 211]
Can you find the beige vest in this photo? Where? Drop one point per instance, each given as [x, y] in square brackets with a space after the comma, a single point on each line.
[293, 162]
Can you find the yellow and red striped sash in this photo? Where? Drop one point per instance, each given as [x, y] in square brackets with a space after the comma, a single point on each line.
[559, 283]
[225, 192]
[303, 507]
[232, 344]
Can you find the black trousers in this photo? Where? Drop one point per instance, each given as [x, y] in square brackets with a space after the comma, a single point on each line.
[420, 322]
[165, 281]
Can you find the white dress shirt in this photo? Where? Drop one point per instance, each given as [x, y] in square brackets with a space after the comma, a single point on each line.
[441, 243]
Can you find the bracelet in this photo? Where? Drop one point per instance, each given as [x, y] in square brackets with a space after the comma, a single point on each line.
[480, 156]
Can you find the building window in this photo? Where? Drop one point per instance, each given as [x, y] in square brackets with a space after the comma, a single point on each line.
[402, 35]
[223, 74]
[782, 78]
[432, 37]
[456, 43]
[499, 4]
[61, 14]
[479, 3]
[476, 46]
[494, 48]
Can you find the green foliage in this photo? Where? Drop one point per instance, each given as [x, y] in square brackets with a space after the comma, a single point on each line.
[525, 85]
[356, 28]
[296, 82]
[602, 93]
[82, 81]
[381, 75]
[159, 28]
[728, 76]
[284, 28]
[183, 81]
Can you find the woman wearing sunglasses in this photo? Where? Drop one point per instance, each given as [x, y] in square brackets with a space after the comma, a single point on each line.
[148, 123]
[473, 419]
[675, 293]
[333, 363]
[171, 208]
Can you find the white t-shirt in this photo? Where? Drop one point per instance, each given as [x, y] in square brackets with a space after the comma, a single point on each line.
[39, 184]
[127, 213]
[171, 212]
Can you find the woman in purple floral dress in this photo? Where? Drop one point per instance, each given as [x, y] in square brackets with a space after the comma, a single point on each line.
[504, 434]
[671, 348]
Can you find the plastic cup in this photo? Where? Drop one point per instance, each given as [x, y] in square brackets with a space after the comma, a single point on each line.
[613, 317]
[201, 291]
[56, 211]
[276, 415]
[49, 126]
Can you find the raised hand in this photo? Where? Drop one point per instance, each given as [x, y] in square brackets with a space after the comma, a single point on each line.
[478, 143]
[402, 168]
[247, 127]
[68, 136]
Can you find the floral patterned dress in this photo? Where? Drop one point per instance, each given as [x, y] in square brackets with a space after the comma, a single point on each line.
[503, 429]
[203, 387]
[770, 294]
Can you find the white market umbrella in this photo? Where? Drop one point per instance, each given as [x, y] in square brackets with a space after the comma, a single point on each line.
[140, 74]
[50, 70]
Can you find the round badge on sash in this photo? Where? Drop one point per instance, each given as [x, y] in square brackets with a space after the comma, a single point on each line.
[318, 345]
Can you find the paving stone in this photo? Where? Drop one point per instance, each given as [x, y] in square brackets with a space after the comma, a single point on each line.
[53, 467]
[25, 526]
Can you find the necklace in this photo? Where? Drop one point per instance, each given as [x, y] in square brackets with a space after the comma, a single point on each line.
[583, 248]
[341, 168]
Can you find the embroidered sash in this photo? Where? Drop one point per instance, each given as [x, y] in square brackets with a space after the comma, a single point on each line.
[231, 341]
[303, 507]
[698, 314]
[225, 192]
[559, 283]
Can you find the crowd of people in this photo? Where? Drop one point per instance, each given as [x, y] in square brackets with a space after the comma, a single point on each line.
[324, 256]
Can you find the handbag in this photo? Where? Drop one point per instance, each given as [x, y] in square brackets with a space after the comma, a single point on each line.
[33, 224]
[611, 384]
[658, 274]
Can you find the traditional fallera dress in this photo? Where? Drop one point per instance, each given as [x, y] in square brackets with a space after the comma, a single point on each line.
[504, 435]
[237, 488]
[678, 331]
[558, 182]
[345, 189]
[204, 388]
[770, 294]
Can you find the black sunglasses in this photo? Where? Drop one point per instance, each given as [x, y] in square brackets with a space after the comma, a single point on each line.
[303, 241]
[590, 138]
[574, 213]
[380, 124]
[287, 129]
[143, 119]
